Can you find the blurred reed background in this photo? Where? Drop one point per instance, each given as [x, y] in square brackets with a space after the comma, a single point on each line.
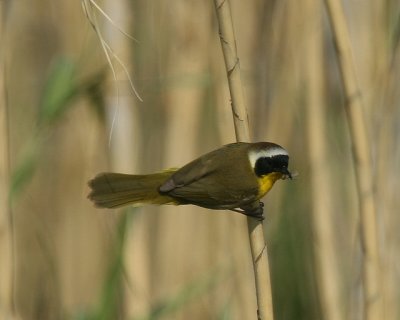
[64, 118]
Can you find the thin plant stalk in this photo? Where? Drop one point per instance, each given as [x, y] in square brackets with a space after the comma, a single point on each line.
[6, 234]
[326, 262]
[256, 231]
[361, 149]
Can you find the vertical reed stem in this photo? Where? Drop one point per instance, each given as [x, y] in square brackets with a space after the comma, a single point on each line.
[326, 262]
[256, 232]
[362, 160]
[6, 240]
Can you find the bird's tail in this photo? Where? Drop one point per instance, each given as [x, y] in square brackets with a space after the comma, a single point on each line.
[113, 190]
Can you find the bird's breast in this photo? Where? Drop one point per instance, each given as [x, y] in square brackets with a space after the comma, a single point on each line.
[266, 182]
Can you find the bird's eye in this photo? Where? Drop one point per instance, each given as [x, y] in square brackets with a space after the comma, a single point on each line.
[280, 162]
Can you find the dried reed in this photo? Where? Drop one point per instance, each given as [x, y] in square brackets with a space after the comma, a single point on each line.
[362, 161]
[321, 183]
[256, 232]
[6, 234]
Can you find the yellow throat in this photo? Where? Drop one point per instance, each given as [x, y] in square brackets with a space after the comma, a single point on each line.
[266, 182]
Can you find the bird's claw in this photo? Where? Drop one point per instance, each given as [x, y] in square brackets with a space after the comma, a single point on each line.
[255, 210]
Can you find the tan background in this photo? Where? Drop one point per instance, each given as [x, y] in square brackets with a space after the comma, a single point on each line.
[64, 118]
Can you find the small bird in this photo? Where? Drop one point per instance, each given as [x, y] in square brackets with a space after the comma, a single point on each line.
[233, 177]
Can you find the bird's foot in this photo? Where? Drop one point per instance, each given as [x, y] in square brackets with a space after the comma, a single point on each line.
[255, 210]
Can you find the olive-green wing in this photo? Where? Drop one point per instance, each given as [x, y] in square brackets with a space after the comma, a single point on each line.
[206, 192]
[190, 173]
[207, 182]
[199, 168]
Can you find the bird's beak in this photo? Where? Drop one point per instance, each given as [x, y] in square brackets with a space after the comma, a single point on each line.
[286, 174]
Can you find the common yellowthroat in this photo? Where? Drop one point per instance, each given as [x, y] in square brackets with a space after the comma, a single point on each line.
[233, 177]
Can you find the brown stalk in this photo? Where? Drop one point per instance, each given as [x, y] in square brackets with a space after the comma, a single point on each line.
[362, 161]
[256, 232]
[6, 234]
[326, 262]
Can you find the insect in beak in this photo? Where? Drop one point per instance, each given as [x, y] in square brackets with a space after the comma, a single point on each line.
[286, 174]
